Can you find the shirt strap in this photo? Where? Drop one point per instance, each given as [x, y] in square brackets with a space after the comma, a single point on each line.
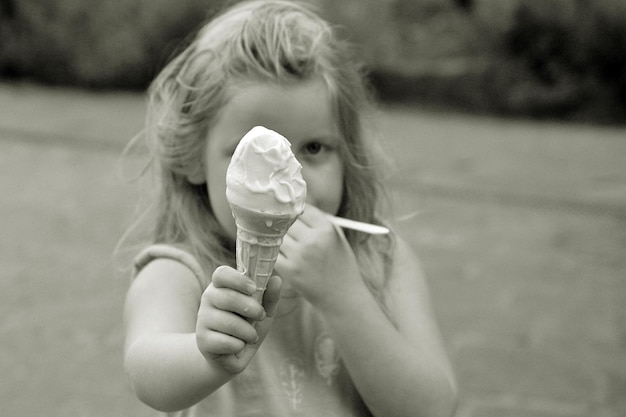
[159, 251]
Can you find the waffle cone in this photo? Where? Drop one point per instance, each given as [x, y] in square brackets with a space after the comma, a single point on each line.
[259, 236]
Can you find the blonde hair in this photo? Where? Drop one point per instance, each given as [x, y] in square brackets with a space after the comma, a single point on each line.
[281, 42]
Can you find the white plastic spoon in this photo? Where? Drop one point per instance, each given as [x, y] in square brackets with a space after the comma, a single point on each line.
[360, 226]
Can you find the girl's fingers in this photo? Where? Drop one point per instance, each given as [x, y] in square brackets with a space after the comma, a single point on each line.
[304, 223]
[230, 324]
[216, 343]
[271, 297]
[227, 277]
[312, 218]
[288, 242]
[233, 301]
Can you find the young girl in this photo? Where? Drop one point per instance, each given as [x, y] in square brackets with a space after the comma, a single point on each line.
[352, 331]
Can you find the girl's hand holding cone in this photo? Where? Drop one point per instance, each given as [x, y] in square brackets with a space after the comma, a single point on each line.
[224, 330]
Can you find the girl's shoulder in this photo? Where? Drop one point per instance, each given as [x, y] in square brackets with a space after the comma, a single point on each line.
[164, 294]
[403, 254]
[406, 276]
[407, 292]
[170, 260]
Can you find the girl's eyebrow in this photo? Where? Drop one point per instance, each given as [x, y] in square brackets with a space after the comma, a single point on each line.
[326, 137]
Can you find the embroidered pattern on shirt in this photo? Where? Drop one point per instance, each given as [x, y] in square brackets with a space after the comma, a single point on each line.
[327, 360]
[292, 375]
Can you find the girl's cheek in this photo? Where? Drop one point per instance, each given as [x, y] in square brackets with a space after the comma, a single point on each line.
[325, 192]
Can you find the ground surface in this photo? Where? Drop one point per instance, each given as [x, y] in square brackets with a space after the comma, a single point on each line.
[521, 228]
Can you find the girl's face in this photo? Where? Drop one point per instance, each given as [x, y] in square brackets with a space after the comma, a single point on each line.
[303, 114]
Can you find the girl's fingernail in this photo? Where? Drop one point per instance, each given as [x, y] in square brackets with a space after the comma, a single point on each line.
[251, 287]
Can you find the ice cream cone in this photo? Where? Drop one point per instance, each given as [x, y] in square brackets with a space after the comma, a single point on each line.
[266, 192]
[259, 236]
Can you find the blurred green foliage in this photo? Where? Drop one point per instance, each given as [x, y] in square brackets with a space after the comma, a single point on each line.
[554, 58]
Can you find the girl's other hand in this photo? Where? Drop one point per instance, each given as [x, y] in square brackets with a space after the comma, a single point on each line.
[231, 323]
[317, 259]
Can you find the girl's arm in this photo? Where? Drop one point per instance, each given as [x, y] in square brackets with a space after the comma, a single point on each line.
[173, 356]
[399, 370]
[403, 370]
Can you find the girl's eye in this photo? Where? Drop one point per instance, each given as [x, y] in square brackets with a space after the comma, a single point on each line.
[316, 151]
[313, 148]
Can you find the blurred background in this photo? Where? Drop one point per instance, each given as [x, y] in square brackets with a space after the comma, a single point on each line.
[506, 120]
[540, 58]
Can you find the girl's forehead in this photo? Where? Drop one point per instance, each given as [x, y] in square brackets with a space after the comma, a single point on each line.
[295, 111]
[308, 99]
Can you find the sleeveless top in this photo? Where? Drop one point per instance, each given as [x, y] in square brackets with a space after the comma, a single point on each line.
[297, 370]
